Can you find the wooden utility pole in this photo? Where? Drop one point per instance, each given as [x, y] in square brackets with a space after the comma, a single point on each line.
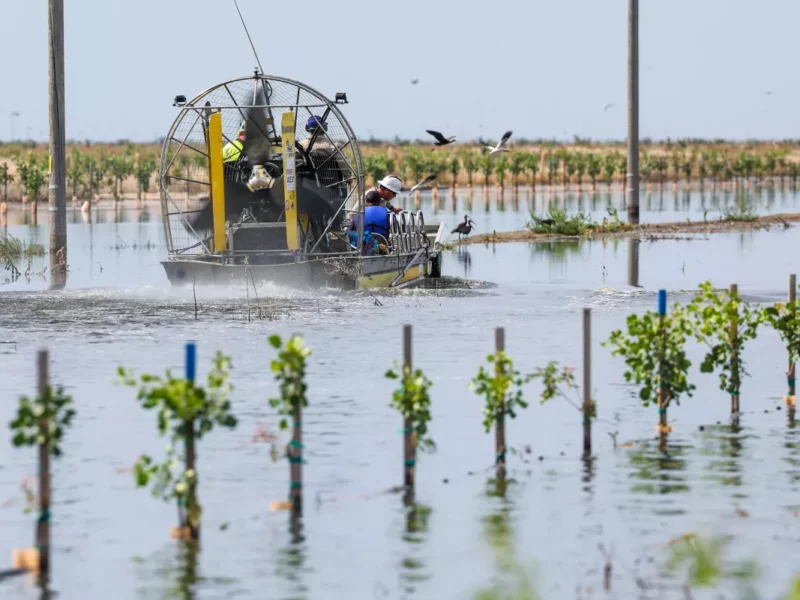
[58, 177]
[633, 261]
[633, 112]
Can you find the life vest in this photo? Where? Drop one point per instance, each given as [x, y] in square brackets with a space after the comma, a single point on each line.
[370, 245]
[376, 220]
[232, 151]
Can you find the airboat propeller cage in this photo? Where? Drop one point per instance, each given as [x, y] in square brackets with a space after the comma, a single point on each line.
[191, 160]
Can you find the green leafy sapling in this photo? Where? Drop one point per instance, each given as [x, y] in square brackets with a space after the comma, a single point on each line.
[654, 354]
[784, 317]
[185, 413]
[558, 381]
[501, 387]
[290, 373]
[53, 407]
[413, 400]
[723, 323]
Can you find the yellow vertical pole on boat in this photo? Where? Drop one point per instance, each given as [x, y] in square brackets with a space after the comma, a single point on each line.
[290, 181]
[217, 180]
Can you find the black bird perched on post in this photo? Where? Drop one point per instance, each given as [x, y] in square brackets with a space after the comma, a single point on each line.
[464, 228]
[440, 139]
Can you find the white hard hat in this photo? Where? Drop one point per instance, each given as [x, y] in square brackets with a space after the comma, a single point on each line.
[392, 183]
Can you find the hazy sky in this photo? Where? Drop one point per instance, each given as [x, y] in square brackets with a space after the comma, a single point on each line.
[544, 68]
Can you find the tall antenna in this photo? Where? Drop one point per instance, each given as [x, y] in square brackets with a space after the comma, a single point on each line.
[258, 60]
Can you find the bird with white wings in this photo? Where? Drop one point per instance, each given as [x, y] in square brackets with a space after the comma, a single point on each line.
[501, 147]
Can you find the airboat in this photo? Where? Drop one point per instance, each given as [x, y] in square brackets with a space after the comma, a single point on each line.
[281, 208]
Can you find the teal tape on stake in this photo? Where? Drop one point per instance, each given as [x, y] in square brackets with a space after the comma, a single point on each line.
[44, 518]
[295, 484]
[410, 463]
[296, 444]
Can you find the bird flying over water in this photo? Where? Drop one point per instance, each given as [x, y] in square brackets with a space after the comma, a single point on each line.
[501, 147]
[607, 106]
[425, 181]
[414, 81]
[440, 139]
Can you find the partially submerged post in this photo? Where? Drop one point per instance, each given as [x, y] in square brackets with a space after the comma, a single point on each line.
[409, 447]
[290, 368]
[500, 423]
[41, 422]
[587, 382]
[295, 453]
[790, 372]
[190, 520]
[43, 522]
[663, 400]
[633, 261]
[633, 112]
[58, 174]
[735, 374]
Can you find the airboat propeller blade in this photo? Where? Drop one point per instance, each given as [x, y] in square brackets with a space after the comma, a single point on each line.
[256, 145]
[237, 198]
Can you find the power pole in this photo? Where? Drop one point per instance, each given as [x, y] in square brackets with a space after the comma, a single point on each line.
[58, 177]
[632, 192]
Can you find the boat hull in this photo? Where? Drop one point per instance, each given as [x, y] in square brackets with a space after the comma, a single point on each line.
[347, 273]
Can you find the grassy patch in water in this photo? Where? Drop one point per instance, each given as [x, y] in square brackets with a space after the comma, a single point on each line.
[742, 210]
[557, 221]
[12, 248]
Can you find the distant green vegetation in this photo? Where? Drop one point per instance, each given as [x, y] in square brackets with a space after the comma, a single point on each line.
[125, 167]
[741, 211]
[557, 221]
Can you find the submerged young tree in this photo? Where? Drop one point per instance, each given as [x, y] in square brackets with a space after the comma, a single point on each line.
[412, 399]
[655, 357]
[501, 387]
[5, 179]
[784, 317]
[723, 323]
[469, 162]
[186, 413]
[594, 166]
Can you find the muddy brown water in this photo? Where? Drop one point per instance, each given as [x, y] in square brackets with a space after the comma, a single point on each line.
[111, 540]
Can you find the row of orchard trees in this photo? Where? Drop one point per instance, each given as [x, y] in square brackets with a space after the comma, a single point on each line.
[96, 171]
[563, 166]
[24, 176]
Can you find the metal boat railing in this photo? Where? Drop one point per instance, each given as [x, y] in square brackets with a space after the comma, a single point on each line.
[407, 232]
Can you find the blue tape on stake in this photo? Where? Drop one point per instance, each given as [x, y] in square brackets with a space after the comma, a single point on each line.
[191, 354]
[662, 303]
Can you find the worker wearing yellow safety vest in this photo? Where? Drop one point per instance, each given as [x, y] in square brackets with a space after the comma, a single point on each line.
[233, 150]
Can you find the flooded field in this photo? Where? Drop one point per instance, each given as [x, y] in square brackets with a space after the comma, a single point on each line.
[111, 540]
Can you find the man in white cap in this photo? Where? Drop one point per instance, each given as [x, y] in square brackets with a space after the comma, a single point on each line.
[388, 188]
